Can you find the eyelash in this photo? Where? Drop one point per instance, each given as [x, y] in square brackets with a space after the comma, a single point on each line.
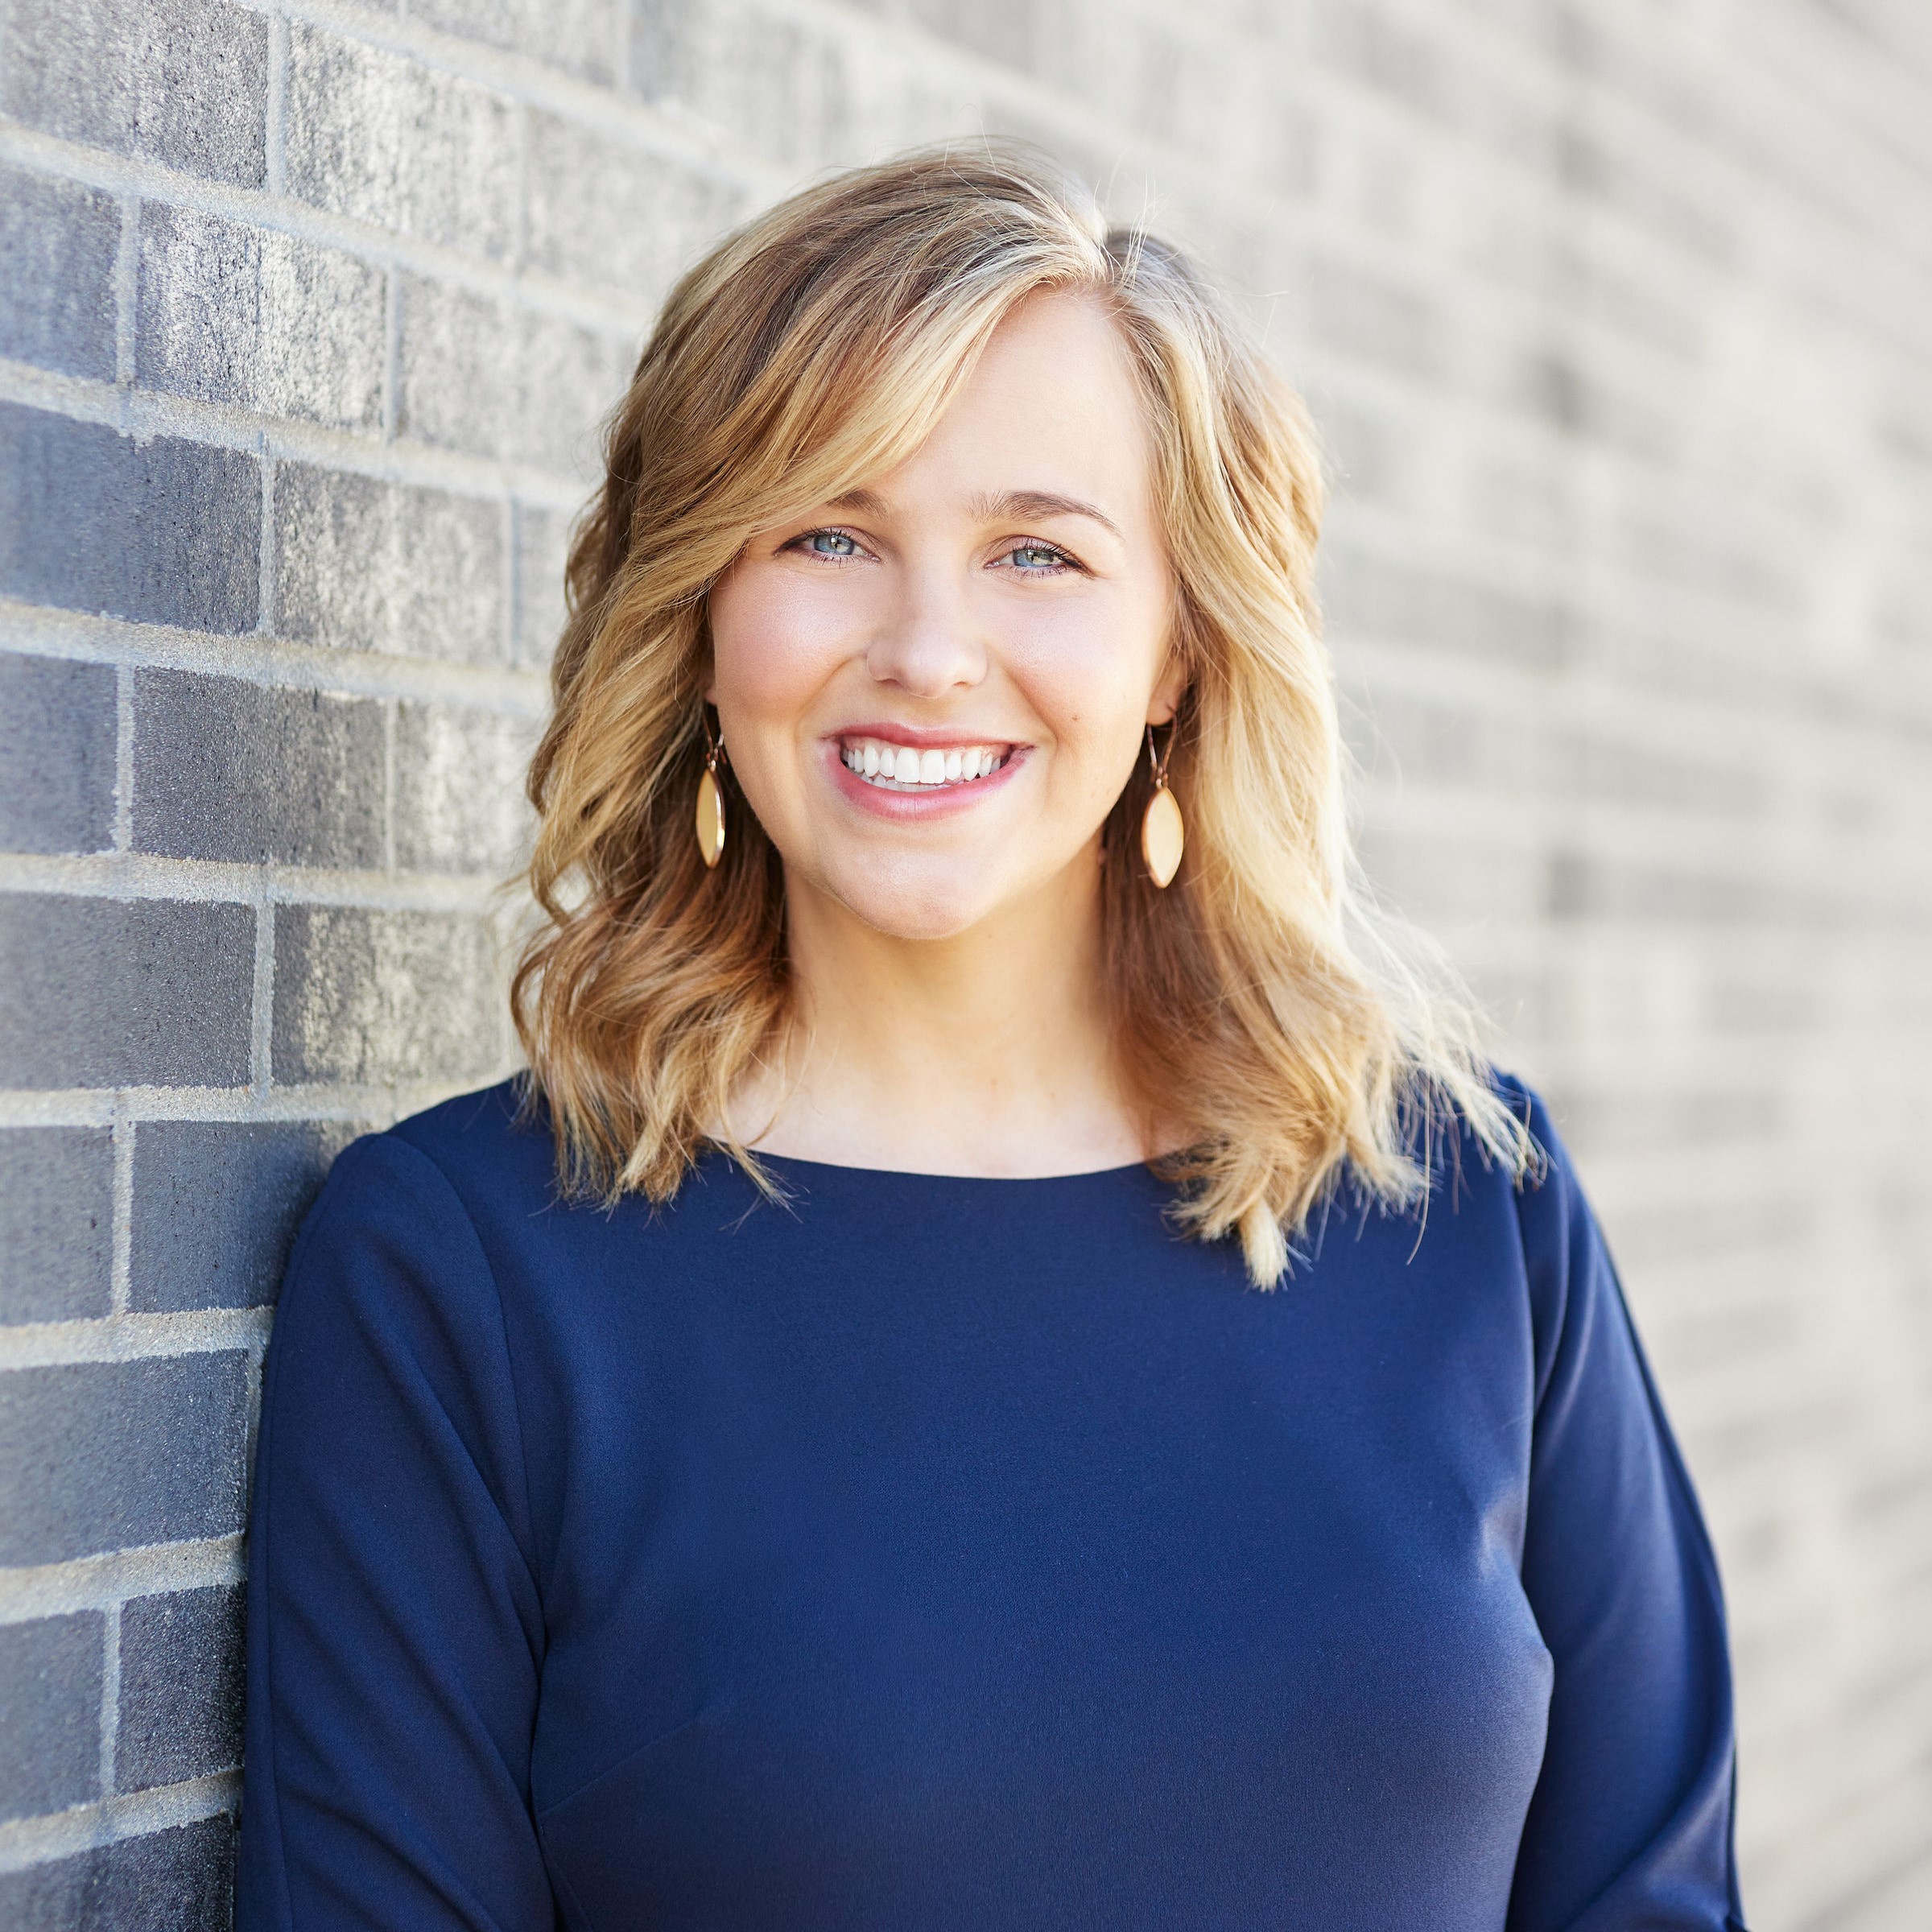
[1062, 560]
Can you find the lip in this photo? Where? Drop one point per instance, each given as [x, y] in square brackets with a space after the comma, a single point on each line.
[925, 737]
[907, 807]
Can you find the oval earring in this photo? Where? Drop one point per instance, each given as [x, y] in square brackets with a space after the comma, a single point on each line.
[1163, 835]
[711, 799]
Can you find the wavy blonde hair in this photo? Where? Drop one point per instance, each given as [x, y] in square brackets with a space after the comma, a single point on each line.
[1260, 1009]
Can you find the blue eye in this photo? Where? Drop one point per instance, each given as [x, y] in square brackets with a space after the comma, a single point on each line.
[1035, 557]
[831, 543]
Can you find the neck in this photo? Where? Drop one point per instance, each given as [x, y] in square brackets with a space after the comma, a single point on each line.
[987, 1053]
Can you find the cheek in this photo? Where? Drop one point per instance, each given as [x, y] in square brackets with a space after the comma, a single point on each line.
[773, 643]
[1089, 669]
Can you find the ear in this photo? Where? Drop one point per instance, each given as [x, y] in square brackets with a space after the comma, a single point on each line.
[1166, 700]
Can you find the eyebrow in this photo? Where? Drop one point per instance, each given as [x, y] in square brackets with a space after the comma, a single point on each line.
[1021, 503]
[1040, 503]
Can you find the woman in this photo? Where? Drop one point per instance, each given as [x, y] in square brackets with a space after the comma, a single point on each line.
[816, 1456]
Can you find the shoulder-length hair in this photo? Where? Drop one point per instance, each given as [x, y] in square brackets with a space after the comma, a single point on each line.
[1266, 1020]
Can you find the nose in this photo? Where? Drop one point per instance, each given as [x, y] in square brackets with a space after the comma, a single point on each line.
[928, 644]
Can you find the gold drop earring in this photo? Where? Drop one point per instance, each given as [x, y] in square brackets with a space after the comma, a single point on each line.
[711, 797]
[1163, 836]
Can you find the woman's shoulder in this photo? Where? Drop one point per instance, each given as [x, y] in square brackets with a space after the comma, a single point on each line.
[434, 1178]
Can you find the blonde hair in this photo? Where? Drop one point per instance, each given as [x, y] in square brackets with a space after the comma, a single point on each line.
[1261, 1010]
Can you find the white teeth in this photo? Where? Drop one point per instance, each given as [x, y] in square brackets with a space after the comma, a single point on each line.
[900, 765]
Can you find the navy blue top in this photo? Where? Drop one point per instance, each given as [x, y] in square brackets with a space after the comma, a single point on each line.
[939, 1554]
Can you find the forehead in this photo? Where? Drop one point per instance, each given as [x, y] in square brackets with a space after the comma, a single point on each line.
[1051, 406]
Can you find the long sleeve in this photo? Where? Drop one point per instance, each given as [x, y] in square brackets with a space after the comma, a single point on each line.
[1630, 1827]
[394, 1630]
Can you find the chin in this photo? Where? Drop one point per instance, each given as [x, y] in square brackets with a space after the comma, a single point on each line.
[914, 908]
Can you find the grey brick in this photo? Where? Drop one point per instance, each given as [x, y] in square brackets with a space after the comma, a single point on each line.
[459, 803]
[1553, 386]
[365, 996]
[57, 732]
[181, 1879]
[108, 992]
[99, 1455]
[1375, 318]
[649, 218]
[56, 1223]
[50, 1713]
[773, 81]
[365, 565]
[230, 314]
[579, 37]
[225, 770]
[183, 82]
[1377, 597]
[180, 1688]
[165, 532]
[58, 241]
[543, 548]
[1363, 42]
[374, 136]
[484, 376]
[216, 1203]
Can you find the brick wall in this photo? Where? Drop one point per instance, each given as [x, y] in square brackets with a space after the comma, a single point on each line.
[1616, 316]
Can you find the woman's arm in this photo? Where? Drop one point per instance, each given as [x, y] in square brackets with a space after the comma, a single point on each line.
[394, 1630]
[1631, 1823]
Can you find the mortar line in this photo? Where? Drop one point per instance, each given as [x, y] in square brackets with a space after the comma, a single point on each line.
[229, 882]
[275, 118]
[513, 642]
[122, 835]
[391, 710]
[266, 615]
[27, 1842]
[127, 291]
[262, 1011]
[392, 349]
[121, 1272]
[110, 1697]
[98, 1582]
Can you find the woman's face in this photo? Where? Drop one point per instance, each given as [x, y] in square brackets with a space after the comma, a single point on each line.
[933, 690]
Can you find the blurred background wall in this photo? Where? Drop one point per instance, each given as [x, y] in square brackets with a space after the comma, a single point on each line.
[1618, 318]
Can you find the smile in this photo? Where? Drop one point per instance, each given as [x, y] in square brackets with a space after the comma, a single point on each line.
[891, 767]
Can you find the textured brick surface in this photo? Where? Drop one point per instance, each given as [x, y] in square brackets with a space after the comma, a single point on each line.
[181, 1879]
[180, 1709]
[460, 804]
[165, 532]
[216, 1204]
[183, 82]
[56, 1223]
[94, 1455]
[364, 997]
[50, 1713]
[1612, 320]
[266, 322]
[225, 770]
[58, 242]
[374, 136]
[482, 375]
[366, 565]
[57, 737]
[106, 993]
